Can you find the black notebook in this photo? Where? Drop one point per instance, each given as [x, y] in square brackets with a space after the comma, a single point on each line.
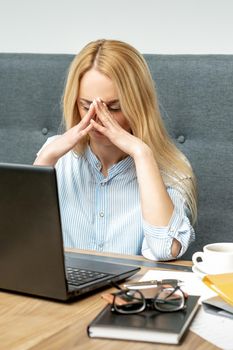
[149, 325]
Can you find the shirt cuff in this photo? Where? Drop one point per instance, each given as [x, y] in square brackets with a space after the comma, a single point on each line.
[158, 247]
[158, 240]
[170, 230]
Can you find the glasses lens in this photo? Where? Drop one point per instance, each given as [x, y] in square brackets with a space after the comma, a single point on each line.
[169, 299]
[129, 302]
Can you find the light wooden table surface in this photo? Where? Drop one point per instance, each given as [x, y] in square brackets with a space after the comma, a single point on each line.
[38, 324]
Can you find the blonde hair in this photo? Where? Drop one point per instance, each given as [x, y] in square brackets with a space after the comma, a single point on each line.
[126, 67]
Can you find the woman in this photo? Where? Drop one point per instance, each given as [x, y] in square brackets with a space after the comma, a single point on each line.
[123, 185]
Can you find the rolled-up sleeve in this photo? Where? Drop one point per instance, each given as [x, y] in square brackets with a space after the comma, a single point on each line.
[157, 241]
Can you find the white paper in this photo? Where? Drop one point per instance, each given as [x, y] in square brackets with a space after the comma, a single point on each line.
[192, 284]
[217, 330]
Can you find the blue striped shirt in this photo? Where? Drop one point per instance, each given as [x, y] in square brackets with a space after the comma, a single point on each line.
[104, 213]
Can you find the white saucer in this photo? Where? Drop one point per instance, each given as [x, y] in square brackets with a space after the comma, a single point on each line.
[198, 272]
[202, 267]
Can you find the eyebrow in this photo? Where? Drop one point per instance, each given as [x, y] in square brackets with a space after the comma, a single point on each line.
[107, 103]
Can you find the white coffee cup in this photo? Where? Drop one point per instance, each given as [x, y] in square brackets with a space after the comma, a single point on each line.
[215, 258]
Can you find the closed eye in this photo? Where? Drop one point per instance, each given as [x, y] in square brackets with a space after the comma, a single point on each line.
[86, 107]
[111, 109]
[114, 109]
[114, 106]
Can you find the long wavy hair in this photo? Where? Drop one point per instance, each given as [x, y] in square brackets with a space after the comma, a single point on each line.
[127, 68]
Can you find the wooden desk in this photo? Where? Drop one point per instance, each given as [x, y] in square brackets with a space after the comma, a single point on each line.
[38, 324]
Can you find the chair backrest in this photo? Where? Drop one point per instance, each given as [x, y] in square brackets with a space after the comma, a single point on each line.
[196, 100]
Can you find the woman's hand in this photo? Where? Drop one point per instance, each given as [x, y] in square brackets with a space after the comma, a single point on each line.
[66, 142]
[110, 128]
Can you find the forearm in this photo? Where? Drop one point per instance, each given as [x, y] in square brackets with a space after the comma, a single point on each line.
[50, 154]
[157, 206]
[159, 241]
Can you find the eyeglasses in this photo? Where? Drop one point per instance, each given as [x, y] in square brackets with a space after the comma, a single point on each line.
[167, 298]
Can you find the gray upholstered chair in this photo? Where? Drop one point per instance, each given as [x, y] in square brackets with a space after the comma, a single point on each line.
[196, 100]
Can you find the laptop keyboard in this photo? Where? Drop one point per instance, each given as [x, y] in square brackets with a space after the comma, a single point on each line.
[78, 277]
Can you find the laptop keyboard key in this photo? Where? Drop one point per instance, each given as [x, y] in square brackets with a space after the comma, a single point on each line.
[78, 277]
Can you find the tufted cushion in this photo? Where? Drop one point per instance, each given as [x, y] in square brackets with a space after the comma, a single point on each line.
[31, 87]
[196, 100]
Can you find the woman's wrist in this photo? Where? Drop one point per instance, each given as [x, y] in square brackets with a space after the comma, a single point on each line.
[50, 154]
[143, 152]
[46, 158]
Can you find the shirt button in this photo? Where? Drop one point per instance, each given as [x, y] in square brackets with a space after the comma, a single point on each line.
[102, 183]
[101, 214]
[99, 166]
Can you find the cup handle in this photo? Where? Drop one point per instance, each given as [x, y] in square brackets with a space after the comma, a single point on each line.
[196, 256]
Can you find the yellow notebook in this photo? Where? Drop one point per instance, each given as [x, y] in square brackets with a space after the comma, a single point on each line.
[221, 284]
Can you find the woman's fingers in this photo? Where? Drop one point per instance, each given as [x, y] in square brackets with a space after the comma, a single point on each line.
[89, 115]
[97, 126]
[102, 111]
[102, 123]
[85, 131]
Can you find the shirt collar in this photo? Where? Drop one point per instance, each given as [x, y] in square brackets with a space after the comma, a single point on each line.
[115, 169]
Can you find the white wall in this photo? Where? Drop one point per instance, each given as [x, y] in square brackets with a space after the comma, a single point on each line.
[152, 26]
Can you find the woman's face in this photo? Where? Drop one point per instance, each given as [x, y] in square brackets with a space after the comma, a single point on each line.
[93, 85]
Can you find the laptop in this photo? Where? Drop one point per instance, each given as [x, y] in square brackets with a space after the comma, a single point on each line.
[32, 257]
